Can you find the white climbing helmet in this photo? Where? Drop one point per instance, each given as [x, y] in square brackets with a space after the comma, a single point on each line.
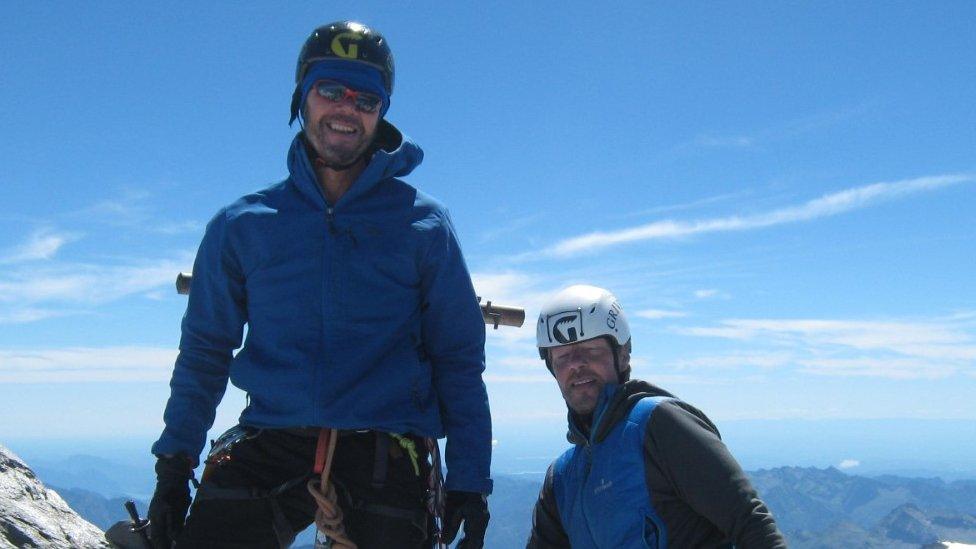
[579, 313]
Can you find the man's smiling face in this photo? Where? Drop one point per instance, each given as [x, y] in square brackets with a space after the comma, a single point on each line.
[337, 130]
[581, 370]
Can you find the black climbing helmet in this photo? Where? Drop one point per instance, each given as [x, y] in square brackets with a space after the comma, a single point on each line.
[347, 40]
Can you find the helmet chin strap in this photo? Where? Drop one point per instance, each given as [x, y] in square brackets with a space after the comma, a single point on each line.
[621, 376]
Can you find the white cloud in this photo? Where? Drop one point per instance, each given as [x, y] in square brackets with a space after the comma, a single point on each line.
[86, 364]
[825, 206]
[136, 209]
[736, 360]
[735, 141]
[509, 226]
[83, 283]
[932, 339]
[156, 295]
[38, 293]
[786, 129]
[848, 464]
[178, 227]
[506, 415]
[521, 361]
[689, 205]
[891, 368]
[706, 293]
[510, 287]
[41, 245]
[657, 314]
[129, 208]
[895, 349]
[521, 379]
[674, 380]
[29, 314]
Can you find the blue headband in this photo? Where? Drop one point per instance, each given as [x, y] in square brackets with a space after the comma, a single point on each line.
[356, 75]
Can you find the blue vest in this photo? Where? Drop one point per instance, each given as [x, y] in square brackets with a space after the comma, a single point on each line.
[601, 490]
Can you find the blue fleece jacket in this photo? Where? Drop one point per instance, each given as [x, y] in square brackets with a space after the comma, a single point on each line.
[360, 315]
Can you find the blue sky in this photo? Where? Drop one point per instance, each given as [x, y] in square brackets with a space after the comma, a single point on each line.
[781, 194]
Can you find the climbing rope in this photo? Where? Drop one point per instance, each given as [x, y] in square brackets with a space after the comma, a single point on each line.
[328, 516]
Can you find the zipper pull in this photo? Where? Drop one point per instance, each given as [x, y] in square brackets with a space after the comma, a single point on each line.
[329, 216]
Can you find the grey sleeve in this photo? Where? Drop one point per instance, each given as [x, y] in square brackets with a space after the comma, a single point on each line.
[547, 528]
[685, 447]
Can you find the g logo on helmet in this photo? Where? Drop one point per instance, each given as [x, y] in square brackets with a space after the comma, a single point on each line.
[350, 52]
[565, 327]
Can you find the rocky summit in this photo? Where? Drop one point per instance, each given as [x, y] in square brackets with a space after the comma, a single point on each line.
[31, 515]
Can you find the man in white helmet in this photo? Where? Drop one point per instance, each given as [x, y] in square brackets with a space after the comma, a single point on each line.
[645, 469]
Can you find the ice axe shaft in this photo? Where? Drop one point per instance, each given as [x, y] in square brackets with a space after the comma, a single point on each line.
[139, 525]
[493, 314]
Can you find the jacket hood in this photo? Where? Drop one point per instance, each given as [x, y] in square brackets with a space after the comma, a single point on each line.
[393, 155]
[613, 405]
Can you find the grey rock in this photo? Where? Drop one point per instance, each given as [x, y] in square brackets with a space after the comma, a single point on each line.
[31, 515]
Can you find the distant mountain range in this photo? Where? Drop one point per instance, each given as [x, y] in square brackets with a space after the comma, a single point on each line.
[99, 475]
[815, 508]
[827, 508]
[96, 508]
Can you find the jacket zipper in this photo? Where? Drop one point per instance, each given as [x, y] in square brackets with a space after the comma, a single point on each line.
[329, 290]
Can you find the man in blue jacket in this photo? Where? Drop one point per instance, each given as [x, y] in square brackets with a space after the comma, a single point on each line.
[645, 469]
[361, 317]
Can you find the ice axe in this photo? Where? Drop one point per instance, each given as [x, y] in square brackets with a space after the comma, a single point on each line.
[494, 315]
[130, 534]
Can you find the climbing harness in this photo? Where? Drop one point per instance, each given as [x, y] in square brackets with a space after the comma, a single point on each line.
[330, 530]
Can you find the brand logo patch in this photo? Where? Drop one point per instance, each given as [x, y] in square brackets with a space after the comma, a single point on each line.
[348, 51]
[565, 327]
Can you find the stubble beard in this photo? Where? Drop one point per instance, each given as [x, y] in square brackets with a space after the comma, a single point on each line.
[582, 402]
[337, 156]
[582, 406]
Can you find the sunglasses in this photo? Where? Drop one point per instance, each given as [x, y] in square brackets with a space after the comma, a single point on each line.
[336, 92]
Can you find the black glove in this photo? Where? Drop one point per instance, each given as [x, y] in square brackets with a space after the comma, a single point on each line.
[472, 508]
[171, 500]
